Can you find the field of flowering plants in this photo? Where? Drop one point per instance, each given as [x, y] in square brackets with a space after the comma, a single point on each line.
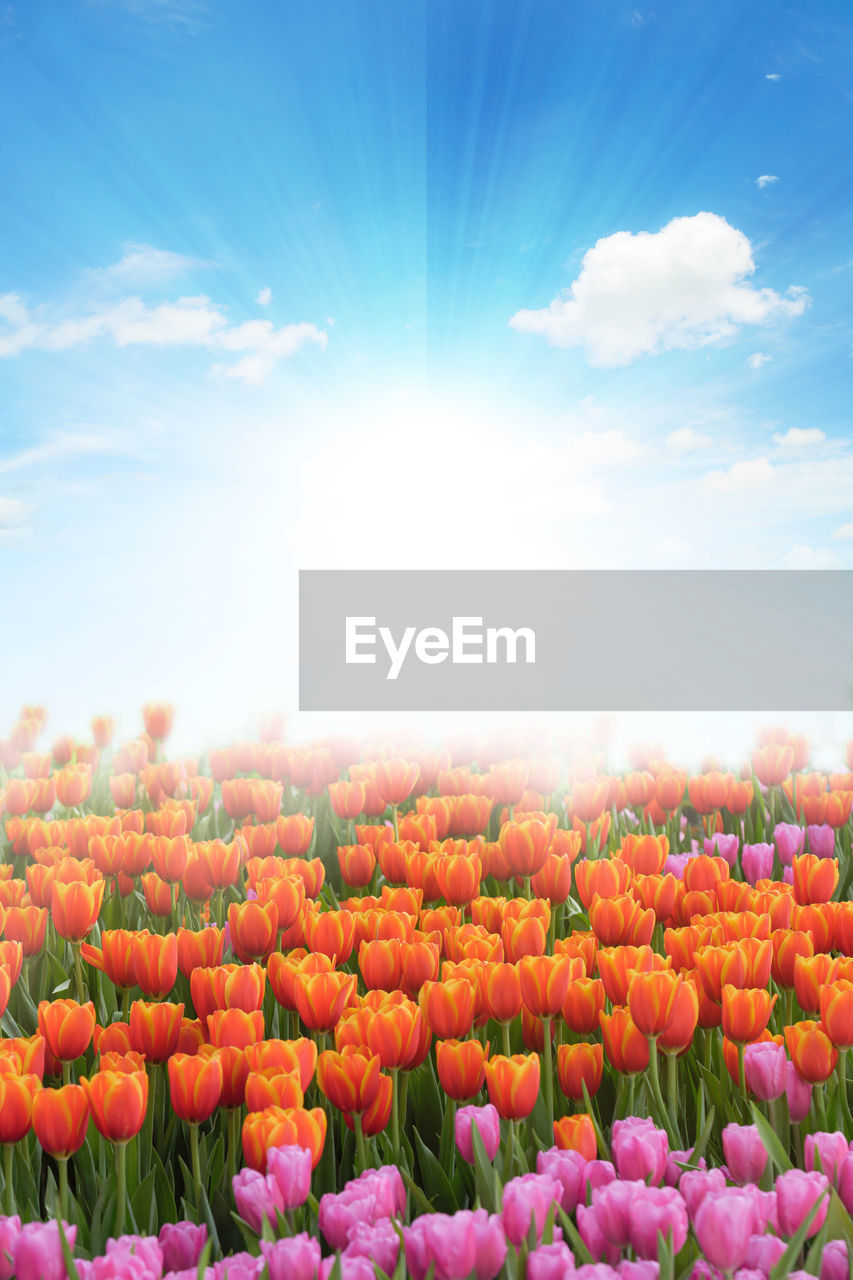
[331, 1010]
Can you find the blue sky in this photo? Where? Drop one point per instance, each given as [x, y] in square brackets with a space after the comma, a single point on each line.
[341, 284]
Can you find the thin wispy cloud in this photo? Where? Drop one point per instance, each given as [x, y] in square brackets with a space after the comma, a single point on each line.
[683, 287]
[799, 438]
[143, 264]
[66, 444]
[773, 75]
[264, 296]
[190, 322]
[758, 360]
[686, 440]
[766, 180]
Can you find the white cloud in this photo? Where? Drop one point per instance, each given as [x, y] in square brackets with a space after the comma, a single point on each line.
[686, 440]
[773, 75]
[264, 297]
[63, 444]
[143, 264]
[799, 437]
[13, 513]
[685, 286]
[740, 477]
[844, 531]
[186, 322]
[803, 556]
[766, 180]
[758, 359]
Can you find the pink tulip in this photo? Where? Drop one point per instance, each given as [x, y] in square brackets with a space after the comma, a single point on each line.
[833, 1262]
[445, 1242]
[821, 840]
[657, 1212]
[550, 1262]
[764, 1252]
[567, 1167]
[799, 1094]
[10, 1229]
[488, 1124]
[746, 1154]
[796, 1193]
[764, 1067]
[353, 1267]
[597, 1173]
[631, 1269]
[181, 1244]
[696, 1184]
[378, 1241]
[490, 1242]
[756, 861]
[722, 845]
[789, 839]
[613, 1206]
[675, 1161]
[832, 1149]
[239, 1266]
[291, 1168]
[845, 1182]
[258, 1197]
[593, 1237]
[526, 1202]
[640, 1150]
[294, 1258]
[37, 1251]
[723, 1226]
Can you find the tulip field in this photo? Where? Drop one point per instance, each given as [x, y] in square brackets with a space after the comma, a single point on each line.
[341, 1010]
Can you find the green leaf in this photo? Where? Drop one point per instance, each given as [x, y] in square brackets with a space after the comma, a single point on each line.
[771, 1141]
[435, 1177]
[486, 1180]
[704, 1136]
[788, 1260]
[571, 1233]
[70, 1265]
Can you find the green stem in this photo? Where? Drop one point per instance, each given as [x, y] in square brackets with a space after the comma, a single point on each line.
[654, 1081]
[395, 1114]
[196, 1164]
[63, 1189]
[360, 1149]
[505, 1044]
[233, 1143]
[549, 1075]
[672, 1089]
[66, 1073]
[396, 828]
[78, 973]
[9, 1185]
[741, 1073]
[121, 1187]
[508, 1151]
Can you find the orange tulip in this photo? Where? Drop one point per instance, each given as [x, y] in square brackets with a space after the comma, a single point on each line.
[502, 991]
[788, 946]
[513, 1084]
[356, 863]
[448, 1007]
[772, 764]
[349, 1079]
[626, 1047]
[395, 780]
[60, 1119]
[253, 929]
[678, 1036]
[605, 878]
[458, 877]
[280, 1127]
[67, 1027]
[199, 948]
[746, 1013]
[619, 920]
[155, 1028]
[815, 879]
[16, 1104]
[118, 1101]
[583, 1003]
[299, 1056]
[618, 965]
[273, 1087]
[235, 1028]
[576, 1133]
[645, 855]
[195, 1086]
[322, 997]
[75, 907]
[381, 964]
[545, 982]
[525, 844]
[811, 974]
[332, 933]
[26, 925]
[579, 1065]
[155, 963]
[811, 1051]
[651, 1001]
[836, 1013]
[398, 1035]
[461, 1067]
